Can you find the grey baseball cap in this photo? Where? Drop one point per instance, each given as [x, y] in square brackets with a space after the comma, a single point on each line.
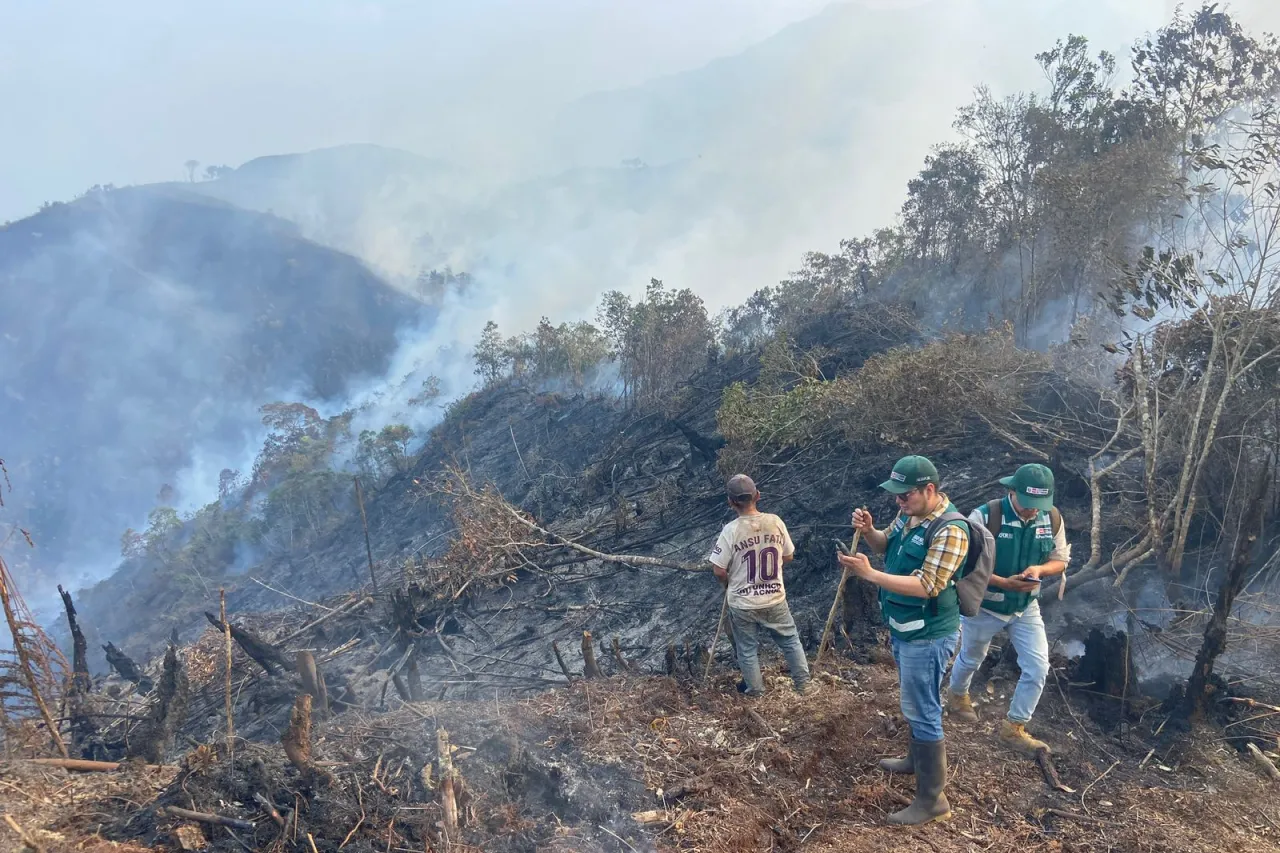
[741, 486]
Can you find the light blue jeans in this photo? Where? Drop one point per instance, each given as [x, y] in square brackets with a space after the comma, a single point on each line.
[776, 622]
[1026, 631]
[921, 664]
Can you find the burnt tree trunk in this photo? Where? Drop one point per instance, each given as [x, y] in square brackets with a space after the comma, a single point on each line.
[167, 713]
[1200, 684]
[265, 654]
[129, 671]
[81, 727]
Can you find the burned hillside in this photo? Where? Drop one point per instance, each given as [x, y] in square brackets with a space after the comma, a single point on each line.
[502, 633]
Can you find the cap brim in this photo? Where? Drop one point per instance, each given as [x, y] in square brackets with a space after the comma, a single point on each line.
[1035, 501]
[1007, 482]
[894, 487]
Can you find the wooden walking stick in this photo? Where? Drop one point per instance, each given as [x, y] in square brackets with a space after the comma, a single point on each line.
[835, 605]
[711, 654]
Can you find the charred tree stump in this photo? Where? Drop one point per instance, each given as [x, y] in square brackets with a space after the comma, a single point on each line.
[1108, 667]
[313, 682]
[1197, 694]
[128, 670]
[297, 742]
[591, 668]
[671, 659]
[168, 711]
[266, 655]
[450, 784]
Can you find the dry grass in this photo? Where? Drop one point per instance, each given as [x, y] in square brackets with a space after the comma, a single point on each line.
[811, 783]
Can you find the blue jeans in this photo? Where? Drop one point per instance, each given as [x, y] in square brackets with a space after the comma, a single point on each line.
[1026, 632]
[776, 622]
[921, 664]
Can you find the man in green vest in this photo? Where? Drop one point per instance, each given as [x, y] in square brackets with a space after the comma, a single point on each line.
[919, 601]
[1030, 545]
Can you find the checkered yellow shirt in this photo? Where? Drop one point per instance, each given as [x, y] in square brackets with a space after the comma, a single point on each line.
[946, 552]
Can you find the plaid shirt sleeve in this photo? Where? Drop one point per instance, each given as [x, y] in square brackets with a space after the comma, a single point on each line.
[946, 552]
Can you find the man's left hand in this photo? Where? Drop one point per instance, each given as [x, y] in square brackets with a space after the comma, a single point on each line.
[857, 563]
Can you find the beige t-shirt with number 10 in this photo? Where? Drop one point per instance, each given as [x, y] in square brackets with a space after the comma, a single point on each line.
[751, 548]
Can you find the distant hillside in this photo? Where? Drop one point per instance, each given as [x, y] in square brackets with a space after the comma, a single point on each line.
[139, 325]
[719, 178]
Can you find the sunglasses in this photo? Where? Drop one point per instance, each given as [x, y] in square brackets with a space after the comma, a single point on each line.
[902, 498]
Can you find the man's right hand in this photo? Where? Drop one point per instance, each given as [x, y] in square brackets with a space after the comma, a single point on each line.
[863, 522]
[1012, 584]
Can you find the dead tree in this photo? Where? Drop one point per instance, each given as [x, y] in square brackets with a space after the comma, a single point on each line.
[78, 688]
[168, 711]
[35, 658]
[1199, 685]
[128, 670]
[266, 655]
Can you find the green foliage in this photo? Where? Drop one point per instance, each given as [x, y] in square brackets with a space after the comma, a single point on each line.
[907, 397]
[571, 352]
[824, 283]
[657, 342]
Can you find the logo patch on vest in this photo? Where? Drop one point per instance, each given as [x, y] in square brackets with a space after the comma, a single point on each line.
[1004, 534]
[1044, 532]
[918, 539]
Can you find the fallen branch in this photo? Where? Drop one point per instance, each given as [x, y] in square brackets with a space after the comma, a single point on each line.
[1045, 759]
[350, 607]
[24, 836]
[555, 647]
[87, 766]
[202, 817]
[271, 809]
[623, 664]
[1075, 816]
[267, 655]
[1264, 763]
[1252, 703]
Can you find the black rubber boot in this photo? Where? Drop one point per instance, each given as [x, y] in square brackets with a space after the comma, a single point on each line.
[930, 802]
[905, 766]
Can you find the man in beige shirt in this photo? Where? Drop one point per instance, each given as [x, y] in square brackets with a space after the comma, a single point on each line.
[748, 558]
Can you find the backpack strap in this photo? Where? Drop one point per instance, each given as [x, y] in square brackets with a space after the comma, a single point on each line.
[1055, 518]
[995, 517]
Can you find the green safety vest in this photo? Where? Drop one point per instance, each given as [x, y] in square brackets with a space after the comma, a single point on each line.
[1018, 545]
[911, 617]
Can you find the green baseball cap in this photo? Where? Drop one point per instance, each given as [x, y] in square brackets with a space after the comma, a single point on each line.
[1033, 484]
[910, 472]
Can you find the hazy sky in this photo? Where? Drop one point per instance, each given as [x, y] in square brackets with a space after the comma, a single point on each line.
[124, 92]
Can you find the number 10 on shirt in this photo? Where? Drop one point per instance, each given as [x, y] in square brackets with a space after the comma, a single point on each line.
[767, 563]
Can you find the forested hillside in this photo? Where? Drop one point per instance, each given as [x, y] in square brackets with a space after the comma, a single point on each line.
[142, 326]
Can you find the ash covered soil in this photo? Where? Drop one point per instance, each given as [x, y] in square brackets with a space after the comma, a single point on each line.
[648, 756]
[644, 762]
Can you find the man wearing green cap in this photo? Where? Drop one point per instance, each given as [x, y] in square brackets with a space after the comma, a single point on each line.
[1030, 545]
[921, 606]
